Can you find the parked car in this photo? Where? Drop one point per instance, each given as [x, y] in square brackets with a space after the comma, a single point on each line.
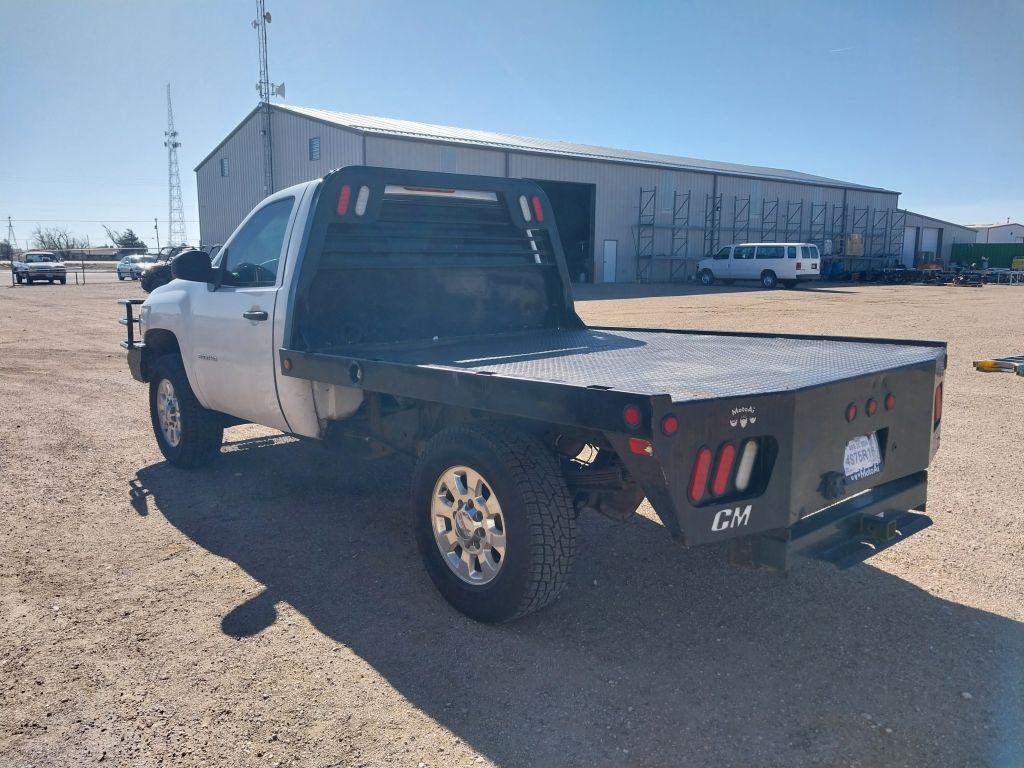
[39, 265]
[768, 263]
[132, 266]
[381, 310]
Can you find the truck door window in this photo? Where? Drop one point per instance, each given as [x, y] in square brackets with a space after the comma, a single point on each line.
[251, 258]
[722, 254]
[744, 252]
[791, 251]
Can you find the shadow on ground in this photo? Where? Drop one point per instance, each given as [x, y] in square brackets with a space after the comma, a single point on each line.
[663, 652]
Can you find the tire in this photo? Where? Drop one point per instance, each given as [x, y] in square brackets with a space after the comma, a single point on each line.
[535, 511]
[200, 432]
[769, 279]
[120, 276]
[63, 280]
[706, 277]
[50, 281]
[20, 279]
[29, 280]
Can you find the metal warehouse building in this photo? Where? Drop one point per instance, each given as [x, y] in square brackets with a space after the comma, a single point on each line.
[623, 215]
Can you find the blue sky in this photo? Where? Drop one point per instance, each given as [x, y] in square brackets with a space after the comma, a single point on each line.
[924, 98]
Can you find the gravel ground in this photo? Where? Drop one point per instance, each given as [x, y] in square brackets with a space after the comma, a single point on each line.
[272, 610]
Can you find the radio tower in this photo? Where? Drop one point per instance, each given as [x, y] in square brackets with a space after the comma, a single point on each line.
[266, 89]
[175, 209]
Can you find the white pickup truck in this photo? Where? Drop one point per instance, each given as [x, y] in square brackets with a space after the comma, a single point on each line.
[379, 310]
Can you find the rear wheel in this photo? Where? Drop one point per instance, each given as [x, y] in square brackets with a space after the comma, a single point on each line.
[50, 281]
[29, 279]
[706, 277]
[63, 280]
[768, 279]
[20, 279]
[493, 521]
[187, 434]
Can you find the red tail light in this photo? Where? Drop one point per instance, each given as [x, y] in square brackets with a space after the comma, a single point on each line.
[699, 478]
[871, 407]
[799, 265]
[851, 412]
[937, 411]
[632, 416]
[641, 447]
[669, 425]
[346, 193]
[890, 401]
[723, 470]
[537, 210]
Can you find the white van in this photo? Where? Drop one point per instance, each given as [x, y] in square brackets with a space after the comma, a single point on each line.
[768, 263]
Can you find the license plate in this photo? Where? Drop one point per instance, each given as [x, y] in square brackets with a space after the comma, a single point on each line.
[862, 457]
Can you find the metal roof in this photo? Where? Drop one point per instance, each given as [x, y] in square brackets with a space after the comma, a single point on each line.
[386, 126]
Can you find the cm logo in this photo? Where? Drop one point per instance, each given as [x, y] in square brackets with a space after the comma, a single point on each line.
[731, 518]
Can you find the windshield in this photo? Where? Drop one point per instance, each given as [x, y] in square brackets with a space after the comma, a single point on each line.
[144, 259]
[35, 258]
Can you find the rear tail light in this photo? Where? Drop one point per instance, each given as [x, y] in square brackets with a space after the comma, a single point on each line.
[871, 407]
[343, 198]
[632, 416]
[745, 470]
[799, 265]
[537, 210]
[641, 447]
[699, 476]
[851, 412]
[937, 410]
[362, 199]
[890, 401]
[669, 425]
[723, 469]
[524, 206]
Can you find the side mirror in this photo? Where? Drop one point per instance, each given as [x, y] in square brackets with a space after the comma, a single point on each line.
[193, 266]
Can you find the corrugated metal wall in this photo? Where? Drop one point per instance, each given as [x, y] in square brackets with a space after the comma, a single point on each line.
[949, 234]
[223, 202]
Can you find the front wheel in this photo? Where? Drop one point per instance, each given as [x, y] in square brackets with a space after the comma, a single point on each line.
[493, 521]
[706, 277]
[63, 280]
[30, 280]
[769, 279]
[20, 279]
[120, 276]
[187, 434]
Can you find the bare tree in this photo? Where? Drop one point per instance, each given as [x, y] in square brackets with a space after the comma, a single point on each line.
[57, 239]
[6, 251]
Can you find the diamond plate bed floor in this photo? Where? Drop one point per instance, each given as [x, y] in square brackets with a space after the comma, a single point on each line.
[686, 366]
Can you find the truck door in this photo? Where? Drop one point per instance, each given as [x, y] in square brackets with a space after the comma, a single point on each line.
[233, 339]
[743, 266]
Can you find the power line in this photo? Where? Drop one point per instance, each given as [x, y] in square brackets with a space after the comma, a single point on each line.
[92, 221]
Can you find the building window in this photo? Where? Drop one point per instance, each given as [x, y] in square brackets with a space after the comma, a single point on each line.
[223, 166]
[314, 149]
[448, 163]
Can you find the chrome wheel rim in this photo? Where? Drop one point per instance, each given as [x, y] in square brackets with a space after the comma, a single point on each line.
[168, 412]
[468, 525]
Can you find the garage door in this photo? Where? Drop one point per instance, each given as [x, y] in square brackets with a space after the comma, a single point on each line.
[909, 244]
[929, 243]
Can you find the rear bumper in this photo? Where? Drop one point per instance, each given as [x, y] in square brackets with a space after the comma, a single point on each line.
[846, 533]
[810, 276]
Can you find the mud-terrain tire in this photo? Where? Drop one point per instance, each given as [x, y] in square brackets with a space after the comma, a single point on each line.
[533, 505]
[187, 434]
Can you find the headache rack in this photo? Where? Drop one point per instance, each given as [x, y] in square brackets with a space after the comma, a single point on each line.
[130, 321]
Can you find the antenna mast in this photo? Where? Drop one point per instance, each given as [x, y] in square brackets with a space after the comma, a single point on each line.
[264, 87]
[10, 234]
[175, 209]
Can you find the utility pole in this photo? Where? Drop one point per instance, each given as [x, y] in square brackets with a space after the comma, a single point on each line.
[14, 244]
[175, 209]
[156, 230]
[266, 90]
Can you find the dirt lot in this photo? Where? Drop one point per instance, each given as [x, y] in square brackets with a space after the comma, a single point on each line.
[273, 611]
